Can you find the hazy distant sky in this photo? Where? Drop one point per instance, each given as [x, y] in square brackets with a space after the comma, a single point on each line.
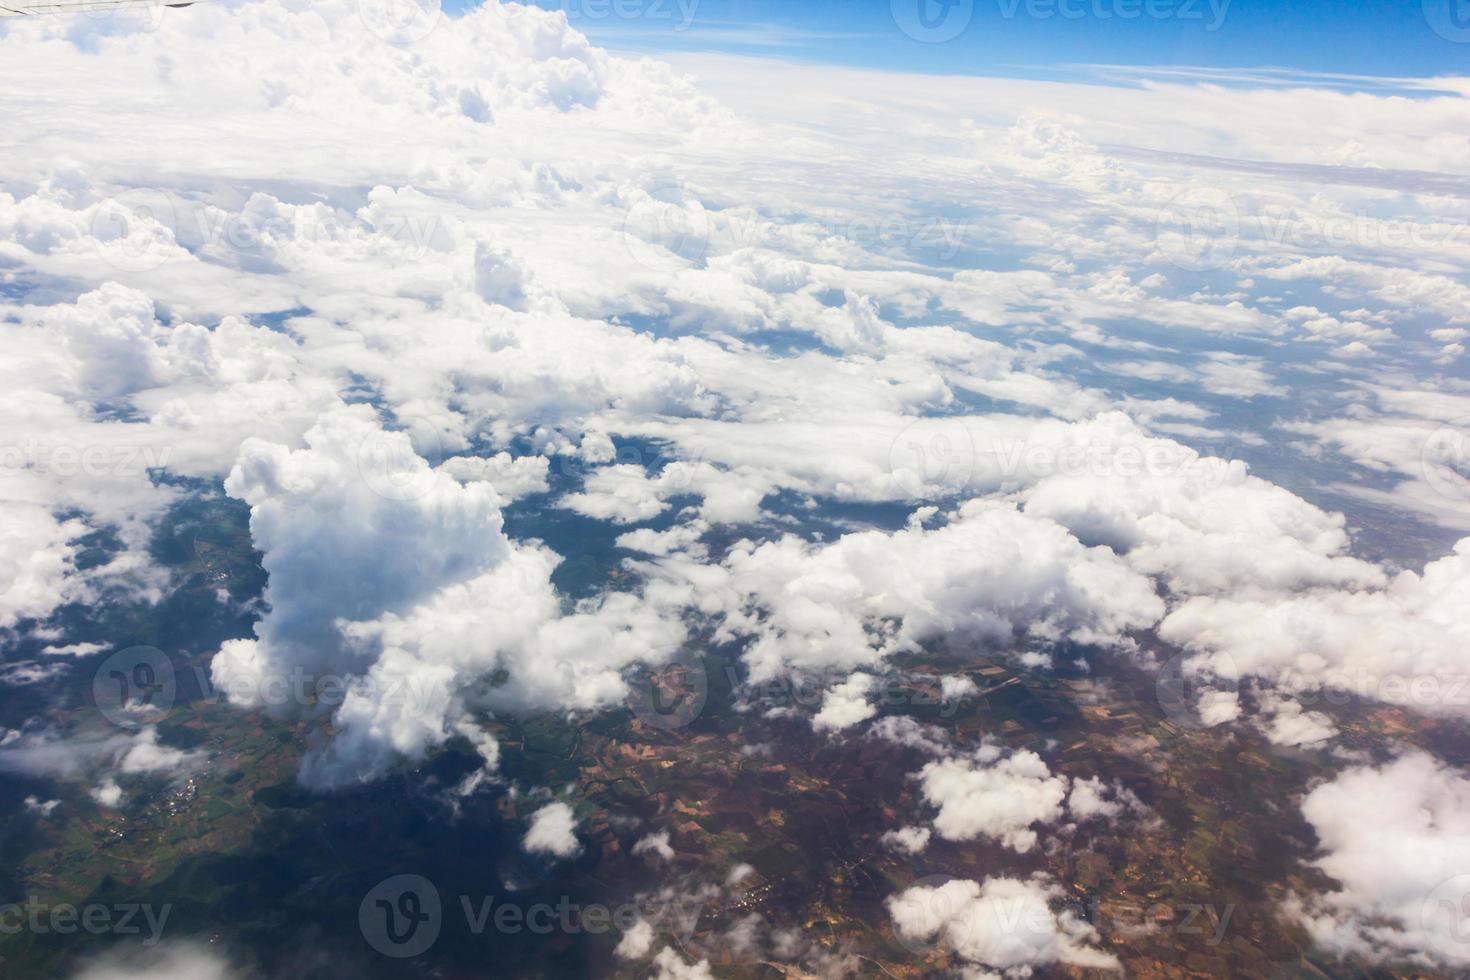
[1408, 37]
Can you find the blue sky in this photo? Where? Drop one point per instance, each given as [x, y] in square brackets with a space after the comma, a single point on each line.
[1036, 37]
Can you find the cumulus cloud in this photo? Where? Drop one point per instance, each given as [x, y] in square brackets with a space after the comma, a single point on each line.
[1400, 643]
[510, 477]
[1006, 795]
[354, 527]
[167, 961]
[98, 760]
[656, 845]
[1199, 524]
[37, 562]
[627, 494]
[845, 704]
[397, 583]
[990, 574]
[1089, 799]
[993, 793]
[669, 965]
[956, 687]
[1288, 723]
[107, 793]
[1003, 923]
[1218, 707]
[553, 831]
[636, 942]
[183, 395]
[910, 840]
[1396, 838]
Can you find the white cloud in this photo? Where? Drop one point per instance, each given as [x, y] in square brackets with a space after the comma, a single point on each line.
[1288, 723]
[435, 598]
[680, 539]
[511, 478]
[1241, 377]
[910, 840]
[845, 704]
[656, 845]
[671, 966]
[990, 574]
[107, 793]
[167, 961]
[1416, 434]
[1397, 839]
[903, 730]
[89, 755]
[1201, 525]
[1089, 799]
[636, 942]
[993, 793]
[1400, 644]
[1005, 923]
[1218, 707]
[956, 687]
[37, 562]
[146, 755]
[42, 809]
[553, 832]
